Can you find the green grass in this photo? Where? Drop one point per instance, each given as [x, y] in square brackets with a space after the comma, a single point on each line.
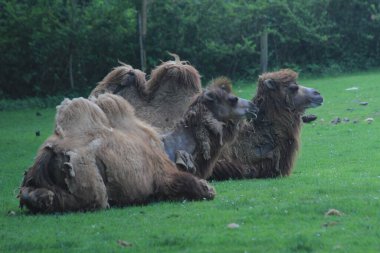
[338, 167]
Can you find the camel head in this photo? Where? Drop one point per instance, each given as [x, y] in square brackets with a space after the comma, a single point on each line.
[226, 106]
[281, 88]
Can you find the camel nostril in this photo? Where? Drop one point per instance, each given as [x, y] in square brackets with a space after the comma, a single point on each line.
[316, 93]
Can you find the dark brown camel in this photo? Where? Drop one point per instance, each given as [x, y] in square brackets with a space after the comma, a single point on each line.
[211, 122]
[267, 147]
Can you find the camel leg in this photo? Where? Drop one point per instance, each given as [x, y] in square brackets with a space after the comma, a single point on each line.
[43, 200]
[183, 185]
[225, 170]
[37, 199]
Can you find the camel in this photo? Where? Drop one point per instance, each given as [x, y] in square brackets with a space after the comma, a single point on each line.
[91, 162]
[160, 101]
[267, 147]
[211, 122]
[163, 98]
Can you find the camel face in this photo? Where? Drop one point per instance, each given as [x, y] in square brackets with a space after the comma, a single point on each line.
[291, 95]
[226, 106]
[304, 97]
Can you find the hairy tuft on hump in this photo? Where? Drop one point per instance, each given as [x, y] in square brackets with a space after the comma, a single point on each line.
[119, 77]
[185, 75]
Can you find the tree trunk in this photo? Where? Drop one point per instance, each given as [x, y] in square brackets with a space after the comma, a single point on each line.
[71, 71]
[142, 33]
[264, 51]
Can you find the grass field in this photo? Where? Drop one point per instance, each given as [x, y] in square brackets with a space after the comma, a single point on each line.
[338, 167]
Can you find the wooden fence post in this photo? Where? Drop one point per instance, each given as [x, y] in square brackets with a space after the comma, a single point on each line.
[264, 51]
[142, 33]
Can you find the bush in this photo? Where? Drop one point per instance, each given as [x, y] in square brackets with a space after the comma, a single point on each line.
[58, 47]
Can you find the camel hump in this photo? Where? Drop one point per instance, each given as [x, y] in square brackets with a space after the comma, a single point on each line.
[175, 75]
[221, 82]
[115, 107]
[120, 78]
[77, 116]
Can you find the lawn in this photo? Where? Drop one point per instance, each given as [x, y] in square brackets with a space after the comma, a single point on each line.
[338, 167]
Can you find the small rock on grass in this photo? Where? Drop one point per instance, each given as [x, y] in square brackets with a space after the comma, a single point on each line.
[369, 120]
[335, 121]
[233, 225]
[330, 224]
[308, 118]
[124, 244]
[333, 212]
[363, 103]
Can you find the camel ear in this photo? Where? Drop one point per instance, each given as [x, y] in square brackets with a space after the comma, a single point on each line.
[270, 84]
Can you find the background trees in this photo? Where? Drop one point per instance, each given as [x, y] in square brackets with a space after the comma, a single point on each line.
[50, 47]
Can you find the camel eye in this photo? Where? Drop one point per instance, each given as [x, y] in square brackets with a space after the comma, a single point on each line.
[209, 96]
[233, 100]
[293, 88]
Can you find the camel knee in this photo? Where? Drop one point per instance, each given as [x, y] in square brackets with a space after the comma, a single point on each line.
[37, 200]
[187, 186]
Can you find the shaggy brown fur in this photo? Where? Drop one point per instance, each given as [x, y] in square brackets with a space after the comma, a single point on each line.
[161, 100]
[267, 147]
[97, 158]
[210, 123]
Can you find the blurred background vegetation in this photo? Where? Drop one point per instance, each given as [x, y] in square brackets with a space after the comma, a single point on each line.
[67, 46]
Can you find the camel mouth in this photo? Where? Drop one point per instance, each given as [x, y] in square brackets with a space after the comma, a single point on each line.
[251, 112]
[316, 102]
[245, 109]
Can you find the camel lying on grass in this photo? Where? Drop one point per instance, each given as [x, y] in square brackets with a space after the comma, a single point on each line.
[267, 147]
[92, 162]
[211, 122]
[102, 155]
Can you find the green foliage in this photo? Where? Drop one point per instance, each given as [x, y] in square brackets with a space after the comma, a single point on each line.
[337, 168]
[42, 40]
[223, 37]
[39, 38]
[31, 102]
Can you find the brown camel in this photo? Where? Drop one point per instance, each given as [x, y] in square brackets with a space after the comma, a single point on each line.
[160, 101]
[211, 122]
[170, 101]
[267, 147]
[91, 162]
